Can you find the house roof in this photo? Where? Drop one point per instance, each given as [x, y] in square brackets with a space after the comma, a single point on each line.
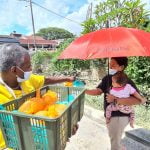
[39, 40]
[31, 37]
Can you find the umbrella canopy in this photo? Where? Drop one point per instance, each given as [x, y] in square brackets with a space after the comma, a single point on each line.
[109, 42]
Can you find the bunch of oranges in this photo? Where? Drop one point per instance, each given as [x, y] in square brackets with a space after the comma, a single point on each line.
[43, 106]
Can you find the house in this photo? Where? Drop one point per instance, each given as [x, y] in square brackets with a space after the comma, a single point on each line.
[28, 42]
[7, 39]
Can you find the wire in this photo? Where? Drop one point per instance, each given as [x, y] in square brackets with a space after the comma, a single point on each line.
[52, 12]
[56, 13]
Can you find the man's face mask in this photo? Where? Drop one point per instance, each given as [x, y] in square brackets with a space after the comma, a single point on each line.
[27, 75]
[112, 71]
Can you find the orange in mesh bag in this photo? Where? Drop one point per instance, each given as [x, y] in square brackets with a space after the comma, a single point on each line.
[56, 110]
[33, 105]
[50, 97]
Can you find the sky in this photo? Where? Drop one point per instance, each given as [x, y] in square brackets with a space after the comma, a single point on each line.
[15, 15]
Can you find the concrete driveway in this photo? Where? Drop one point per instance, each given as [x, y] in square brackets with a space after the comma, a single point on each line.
[92, 134]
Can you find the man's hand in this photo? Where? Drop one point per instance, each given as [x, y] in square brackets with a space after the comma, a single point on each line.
[54, 80]
[70, 79]
[110, 98]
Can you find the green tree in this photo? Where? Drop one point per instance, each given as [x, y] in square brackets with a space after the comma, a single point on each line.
[111, 13]
[53, 33]
[89, 26]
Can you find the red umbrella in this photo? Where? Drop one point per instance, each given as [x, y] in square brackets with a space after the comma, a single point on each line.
[109, 42]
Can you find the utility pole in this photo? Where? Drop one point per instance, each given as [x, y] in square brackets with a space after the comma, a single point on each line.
[89, 12]
[33, 27]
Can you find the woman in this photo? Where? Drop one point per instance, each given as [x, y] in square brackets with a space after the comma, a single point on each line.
[119, 120]
[16, 78]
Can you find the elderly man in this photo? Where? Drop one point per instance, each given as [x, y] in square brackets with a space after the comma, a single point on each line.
[16, 77]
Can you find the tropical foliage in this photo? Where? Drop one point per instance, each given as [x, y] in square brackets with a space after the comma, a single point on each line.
[112, 13]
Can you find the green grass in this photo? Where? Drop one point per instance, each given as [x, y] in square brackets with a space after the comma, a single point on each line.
[142, 114]
[94, 101]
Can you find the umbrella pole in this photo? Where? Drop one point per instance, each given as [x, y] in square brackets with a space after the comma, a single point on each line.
[108, 75]
[68, 94]
[108, 67]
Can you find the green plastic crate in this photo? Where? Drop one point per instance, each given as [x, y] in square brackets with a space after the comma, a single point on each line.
[30, 132]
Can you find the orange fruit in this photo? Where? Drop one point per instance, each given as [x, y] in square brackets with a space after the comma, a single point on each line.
[69, 84]
[52, 113]
[56, 110]
[32, 106]
[37, 105]
[50, 97]
[42, 113]
[25, 107]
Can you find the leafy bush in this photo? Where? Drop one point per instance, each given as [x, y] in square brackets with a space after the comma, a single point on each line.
[46, 59]
[39, 59]
[69, 65]
[138, 70]
[40, 55]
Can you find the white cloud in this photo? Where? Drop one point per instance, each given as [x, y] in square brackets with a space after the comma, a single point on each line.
[147, 2]
[78, 16]
[14, 12]
[53, 20]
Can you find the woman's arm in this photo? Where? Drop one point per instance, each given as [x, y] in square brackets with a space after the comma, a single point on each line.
[128, 101]
[94, 92]
[138, 96]
[123, 101]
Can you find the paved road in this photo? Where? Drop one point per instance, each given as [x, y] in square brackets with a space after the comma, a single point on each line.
[92, 133]
[90, 136]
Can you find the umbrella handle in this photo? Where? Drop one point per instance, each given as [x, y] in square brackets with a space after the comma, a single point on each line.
[108, 78]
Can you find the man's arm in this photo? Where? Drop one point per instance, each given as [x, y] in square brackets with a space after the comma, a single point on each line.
[123, 101]
[94, 92]
[54, 80]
